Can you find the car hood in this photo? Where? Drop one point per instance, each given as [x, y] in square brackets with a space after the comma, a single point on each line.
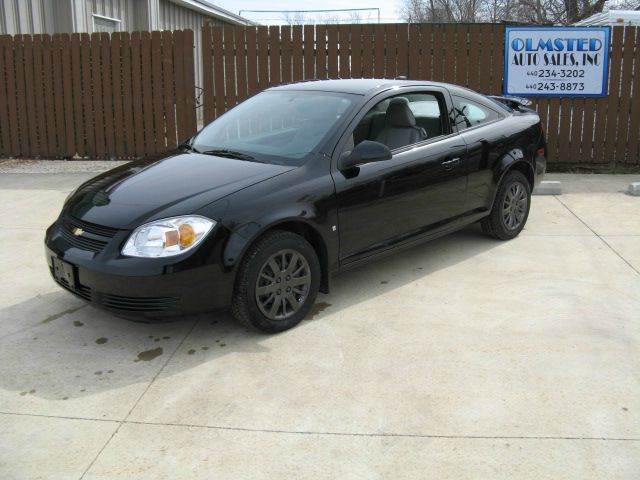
[178, 184]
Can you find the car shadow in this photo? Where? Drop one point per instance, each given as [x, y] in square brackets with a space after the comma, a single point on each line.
[67, 349]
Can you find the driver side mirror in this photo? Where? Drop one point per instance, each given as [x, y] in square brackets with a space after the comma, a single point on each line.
[365, 152]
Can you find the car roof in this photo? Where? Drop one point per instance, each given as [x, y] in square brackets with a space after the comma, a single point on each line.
[361, 86]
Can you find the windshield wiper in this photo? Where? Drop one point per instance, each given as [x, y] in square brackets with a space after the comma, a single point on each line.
[223, 152]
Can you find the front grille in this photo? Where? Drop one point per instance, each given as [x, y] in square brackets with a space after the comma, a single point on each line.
[138, 304]
[82, 242]
[85, 235]
[71, 223]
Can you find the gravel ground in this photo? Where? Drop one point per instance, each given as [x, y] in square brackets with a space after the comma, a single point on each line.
[57, 166]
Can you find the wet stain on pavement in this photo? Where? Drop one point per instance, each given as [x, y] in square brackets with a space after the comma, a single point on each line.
[150, 354]
[56, 316]
[99, 372]
[384, 282]
[318, 308]
[77, 323]
[205, 348]
[101, 340]
[191, 352]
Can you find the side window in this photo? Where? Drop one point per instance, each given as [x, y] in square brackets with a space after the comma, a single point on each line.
[402, 120]
[467, 113]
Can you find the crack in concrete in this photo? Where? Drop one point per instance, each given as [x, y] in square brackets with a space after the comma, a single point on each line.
[333, 433]
[597, 235]
[123, 421]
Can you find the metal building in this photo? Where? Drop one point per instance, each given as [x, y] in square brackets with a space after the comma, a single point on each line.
[73, 16]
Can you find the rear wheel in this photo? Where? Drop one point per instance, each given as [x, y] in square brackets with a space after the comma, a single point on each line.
[510, 208]
[277, 282]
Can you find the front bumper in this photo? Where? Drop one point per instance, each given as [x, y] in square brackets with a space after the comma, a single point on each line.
[137, 287]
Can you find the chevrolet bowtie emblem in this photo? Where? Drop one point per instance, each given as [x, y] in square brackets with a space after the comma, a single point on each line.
[77, 231]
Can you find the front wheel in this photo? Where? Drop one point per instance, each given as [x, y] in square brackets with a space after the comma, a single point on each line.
[277, 282]
[510, 208]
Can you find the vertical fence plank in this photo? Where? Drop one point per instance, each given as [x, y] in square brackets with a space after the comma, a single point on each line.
[188, 96]
[463, 56]
[552, 132]
[415, 54]
[61, 62]
[229, 65]
[157, 89]
[38, 93]
[7, 44]
[274, 55]
[128, 101]
[577, 117]
[252, 61]
[98, 104]
[497, 60]
[115, 54]
[474, 54]
[107, 94]
[136, 91]
[390, 52]
[615, 69]
[368, 37]
[564, 132]
[402, 68]
[218, 70]
[87, 103]
[484, 68]
[75, 42]
[332, 51]
[49, 99]
[147, 92]
[241, 63]
[5, 122]
[620, 147]
[437, 56]
[586, 144]
[30, 88]
[285, 53]
[633, 154]
[344, 51]
[168, 93]
[297, 53]
[378, 41]
[309, 52]
[208, 94]
[449, 38]
[321, 52]
[356, 51]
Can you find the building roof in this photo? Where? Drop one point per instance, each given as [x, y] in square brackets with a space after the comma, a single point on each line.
[613, 17]
[207, 8]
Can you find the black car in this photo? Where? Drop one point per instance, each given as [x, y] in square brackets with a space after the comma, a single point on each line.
[259, 209]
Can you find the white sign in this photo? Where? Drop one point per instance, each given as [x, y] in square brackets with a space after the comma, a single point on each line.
[556, 61]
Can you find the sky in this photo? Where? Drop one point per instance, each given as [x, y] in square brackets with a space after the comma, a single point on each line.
[388, 8]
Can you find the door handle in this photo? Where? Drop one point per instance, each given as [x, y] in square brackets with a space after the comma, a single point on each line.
[449, 164]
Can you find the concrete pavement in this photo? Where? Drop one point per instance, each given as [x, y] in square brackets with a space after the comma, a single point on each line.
[461, 358]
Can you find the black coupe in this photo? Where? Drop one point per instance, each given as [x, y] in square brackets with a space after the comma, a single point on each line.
[259, 209]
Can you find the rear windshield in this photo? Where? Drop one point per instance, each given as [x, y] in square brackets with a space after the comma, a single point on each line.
[281, 127]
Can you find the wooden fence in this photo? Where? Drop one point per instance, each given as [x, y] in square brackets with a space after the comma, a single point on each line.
[598, 133]
[98, 96]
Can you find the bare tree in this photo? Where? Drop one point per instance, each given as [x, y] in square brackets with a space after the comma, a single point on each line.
[526, 11]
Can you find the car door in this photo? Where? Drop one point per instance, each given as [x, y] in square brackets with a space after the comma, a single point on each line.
[420, 189]
[477, 123]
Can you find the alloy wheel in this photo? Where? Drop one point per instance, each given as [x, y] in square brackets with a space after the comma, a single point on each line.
[514, 207]
[283, 284]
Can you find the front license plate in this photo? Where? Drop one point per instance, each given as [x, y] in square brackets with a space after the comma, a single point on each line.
[63, 271]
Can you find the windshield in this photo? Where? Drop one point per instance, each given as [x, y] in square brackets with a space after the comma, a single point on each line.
[281, 127]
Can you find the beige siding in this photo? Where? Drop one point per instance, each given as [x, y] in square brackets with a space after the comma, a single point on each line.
[175, 17]
[24, 17]
[123, 10]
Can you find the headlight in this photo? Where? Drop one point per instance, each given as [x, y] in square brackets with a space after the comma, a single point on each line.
[167, 237]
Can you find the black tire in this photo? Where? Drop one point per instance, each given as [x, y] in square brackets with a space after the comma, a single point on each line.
[251, 309]
[499, 223]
